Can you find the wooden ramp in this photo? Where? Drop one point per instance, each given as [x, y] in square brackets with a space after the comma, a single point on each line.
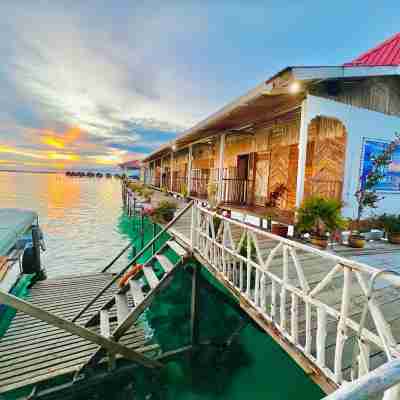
[33, 351]
[310, 301]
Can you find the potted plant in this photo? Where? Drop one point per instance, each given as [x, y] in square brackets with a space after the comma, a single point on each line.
[184, 191]
[391, 224]
[243, 249]
[366, 195]
[318, 216]
[274, 197]
[279, 229]
[212, 191]
[164, 212]
[146, 194]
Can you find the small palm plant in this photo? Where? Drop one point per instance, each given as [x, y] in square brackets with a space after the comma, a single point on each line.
[318, 216]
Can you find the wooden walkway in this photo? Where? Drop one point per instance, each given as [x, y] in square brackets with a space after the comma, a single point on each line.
[295, 325]
[33, 351]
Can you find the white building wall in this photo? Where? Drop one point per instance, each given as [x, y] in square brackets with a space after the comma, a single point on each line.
[360, 124]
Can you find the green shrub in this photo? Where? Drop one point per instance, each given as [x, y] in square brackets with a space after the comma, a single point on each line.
[164, 212]
[318, 216]
[391, 223]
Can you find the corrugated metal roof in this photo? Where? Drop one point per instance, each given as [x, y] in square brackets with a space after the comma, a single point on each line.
[386, 53]
[133, 164]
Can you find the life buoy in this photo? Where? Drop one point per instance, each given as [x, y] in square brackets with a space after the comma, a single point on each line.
[130, 274]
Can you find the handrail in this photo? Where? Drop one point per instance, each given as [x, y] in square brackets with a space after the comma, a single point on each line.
[138, 255]
[282, 268]
[371, 384]
[75, 329]
[106, 268]
[356, 265]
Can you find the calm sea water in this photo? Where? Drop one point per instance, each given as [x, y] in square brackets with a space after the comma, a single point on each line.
[84, 228]
[79, 217]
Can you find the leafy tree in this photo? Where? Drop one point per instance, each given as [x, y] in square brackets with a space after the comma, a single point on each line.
[366, 196]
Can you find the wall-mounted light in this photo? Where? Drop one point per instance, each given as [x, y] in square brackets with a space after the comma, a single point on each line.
[173, 147]
[294, 87]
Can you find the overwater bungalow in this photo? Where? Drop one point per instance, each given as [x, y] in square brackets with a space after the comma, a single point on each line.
[307, 130]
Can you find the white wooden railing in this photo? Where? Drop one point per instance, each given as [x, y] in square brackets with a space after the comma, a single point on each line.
[327, 306]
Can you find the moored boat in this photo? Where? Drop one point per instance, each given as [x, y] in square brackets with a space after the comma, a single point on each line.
[21, 241]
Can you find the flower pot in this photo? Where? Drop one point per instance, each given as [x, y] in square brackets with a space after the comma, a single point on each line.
[357, 242]
[319, 241]
[280, 230]
[394, 237]
[168, 215]
[373, 234]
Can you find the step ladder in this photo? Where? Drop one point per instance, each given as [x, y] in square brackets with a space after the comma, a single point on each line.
[134, 298]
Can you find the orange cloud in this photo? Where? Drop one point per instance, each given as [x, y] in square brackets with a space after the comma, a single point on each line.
[57, 140]
[15, 150]
[61, 156]
[52, 142]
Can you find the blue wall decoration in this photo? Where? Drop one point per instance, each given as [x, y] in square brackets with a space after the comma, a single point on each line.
[391, 182]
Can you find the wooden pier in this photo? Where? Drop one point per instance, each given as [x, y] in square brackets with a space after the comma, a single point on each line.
[337, 318]
[33, 351]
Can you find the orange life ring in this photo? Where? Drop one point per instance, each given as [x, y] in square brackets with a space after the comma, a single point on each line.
[130, 274]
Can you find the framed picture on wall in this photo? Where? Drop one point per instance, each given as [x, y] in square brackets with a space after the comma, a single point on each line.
[391, 181]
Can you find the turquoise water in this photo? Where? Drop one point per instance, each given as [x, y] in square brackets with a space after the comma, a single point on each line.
[86, 235]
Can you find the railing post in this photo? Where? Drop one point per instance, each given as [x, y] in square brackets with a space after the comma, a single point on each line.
[285, 277]
[341, 335]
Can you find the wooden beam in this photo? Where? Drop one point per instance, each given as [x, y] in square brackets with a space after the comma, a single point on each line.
[301, 166]
[189, 174]
[221, 167]
[195, 305]
[75, 329]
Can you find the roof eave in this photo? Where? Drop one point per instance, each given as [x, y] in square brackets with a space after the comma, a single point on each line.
[271, 87]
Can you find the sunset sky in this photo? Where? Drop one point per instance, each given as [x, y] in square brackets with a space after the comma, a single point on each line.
[88, 84]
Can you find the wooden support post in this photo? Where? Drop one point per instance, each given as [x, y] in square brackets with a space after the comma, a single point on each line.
[161, 172]
[221, 168]
[301, 166]
[194, 314]
[36, 245]
[189, 176]
[172, 171]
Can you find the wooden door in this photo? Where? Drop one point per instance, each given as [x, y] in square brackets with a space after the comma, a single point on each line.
[243, 166]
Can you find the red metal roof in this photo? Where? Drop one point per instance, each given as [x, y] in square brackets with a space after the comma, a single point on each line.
[133, 164]
[385, 54]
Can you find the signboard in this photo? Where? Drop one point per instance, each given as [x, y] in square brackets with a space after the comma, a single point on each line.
[391, 181]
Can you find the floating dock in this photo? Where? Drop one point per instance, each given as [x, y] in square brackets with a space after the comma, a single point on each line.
[34, 351]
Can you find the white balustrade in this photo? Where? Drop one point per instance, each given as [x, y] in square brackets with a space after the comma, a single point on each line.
[316, 314]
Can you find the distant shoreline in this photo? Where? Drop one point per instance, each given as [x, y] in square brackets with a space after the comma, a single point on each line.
[31, 172]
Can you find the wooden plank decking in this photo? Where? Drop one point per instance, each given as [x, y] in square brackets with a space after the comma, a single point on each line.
[32, 351]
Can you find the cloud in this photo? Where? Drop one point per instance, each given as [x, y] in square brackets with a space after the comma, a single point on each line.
[89, 87]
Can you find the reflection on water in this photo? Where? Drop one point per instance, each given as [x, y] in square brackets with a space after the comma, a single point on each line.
[79, 217]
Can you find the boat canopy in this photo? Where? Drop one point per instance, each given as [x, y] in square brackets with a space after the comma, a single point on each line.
[13, 223]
